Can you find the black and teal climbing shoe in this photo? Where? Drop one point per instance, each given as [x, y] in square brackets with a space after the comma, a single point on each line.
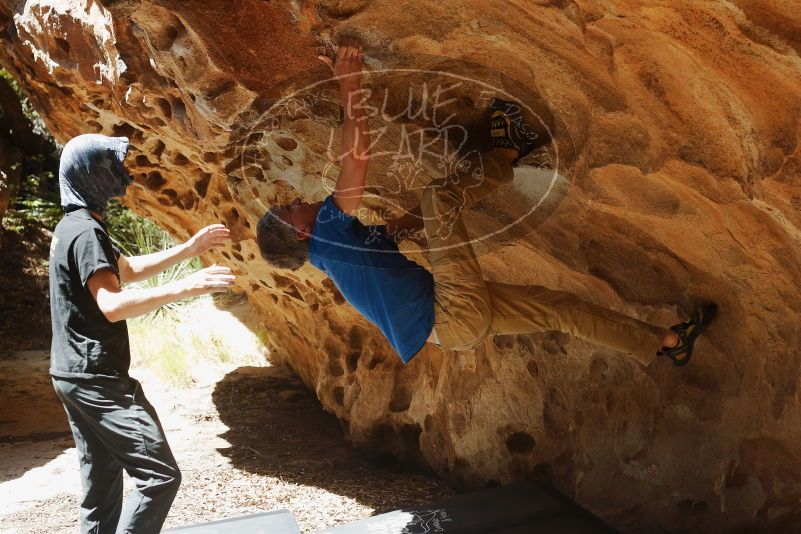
[508, 130]
[688, 332]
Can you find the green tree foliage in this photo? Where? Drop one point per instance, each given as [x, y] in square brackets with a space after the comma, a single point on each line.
[30, 161]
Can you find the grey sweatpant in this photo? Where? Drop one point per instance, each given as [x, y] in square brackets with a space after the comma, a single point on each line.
[116, 428]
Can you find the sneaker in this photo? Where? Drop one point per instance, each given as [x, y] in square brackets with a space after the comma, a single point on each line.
[507, 129]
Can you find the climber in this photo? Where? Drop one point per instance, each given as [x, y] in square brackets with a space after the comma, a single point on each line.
[113, 424]
[453, 306]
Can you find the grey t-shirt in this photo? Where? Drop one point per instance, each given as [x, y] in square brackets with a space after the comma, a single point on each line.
[85, 343]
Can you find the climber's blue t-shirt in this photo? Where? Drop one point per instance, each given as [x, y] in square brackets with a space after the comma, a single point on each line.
[389, 290]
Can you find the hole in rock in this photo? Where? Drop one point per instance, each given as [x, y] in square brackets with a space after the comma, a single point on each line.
[401, 398]
[287, 161]
[356, 337]
[374, 362]
[168, 35]
[180, 159]
[520, 443]
[226, 255]
[255, 172]
[129, 77]
[202, 184]
[169, 198]
[261, 104]
[332, 289]
[179, 110]
[187, 200]
[331, 348]
[278, 163]
[253, 153]
[352, 360]
[141, 160]
[286, 143]
[233, 165]
[238, 256]
[335, 368]
[165, 107]
[294, 293]
[155, 180]
[63, 45]
[123, 130]
[339, 395]
[218, 88]
[283, 282]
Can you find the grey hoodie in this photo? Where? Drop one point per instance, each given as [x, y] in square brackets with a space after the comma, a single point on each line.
[91, 171]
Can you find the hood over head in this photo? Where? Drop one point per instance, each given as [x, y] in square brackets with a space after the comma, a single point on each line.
[91, 171]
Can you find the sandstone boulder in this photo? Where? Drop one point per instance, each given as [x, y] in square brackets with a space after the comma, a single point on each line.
[675, 130]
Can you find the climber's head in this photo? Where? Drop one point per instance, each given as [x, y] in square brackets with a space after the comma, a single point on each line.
[92, 172]
[284, 231]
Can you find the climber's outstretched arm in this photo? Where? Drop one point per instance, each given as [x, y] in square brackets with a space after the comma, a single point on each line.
[355, 130]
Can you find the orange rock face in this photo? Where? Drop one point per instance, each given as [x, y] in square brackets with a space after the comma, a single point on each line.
[675, 131]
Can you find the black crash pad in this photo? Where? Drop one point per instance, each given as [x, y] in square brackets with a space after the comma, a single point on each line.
[278, 522]
[518, 509]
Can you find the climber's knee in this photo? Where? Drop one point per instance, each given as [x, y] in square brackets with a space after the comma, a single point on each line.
[470, 321]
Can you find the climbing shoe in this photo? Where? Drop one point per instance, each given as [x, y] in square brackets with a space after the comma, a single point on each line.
[688, 332]
[507, 129]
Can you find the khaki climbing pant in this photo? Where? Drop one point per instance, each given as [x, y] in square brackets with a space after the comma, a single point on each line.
[467, 308]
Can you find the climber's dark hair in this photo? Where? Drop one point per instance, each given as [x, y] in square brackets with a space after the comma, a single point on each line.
[278, 242]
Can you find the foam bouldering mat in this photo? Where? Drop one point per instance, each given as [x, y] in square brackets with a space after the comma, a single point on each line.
[517, 509]
[278, 522]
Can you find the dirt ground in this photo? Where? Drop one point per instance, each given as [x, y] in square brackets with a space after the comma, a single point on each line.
[248, 439]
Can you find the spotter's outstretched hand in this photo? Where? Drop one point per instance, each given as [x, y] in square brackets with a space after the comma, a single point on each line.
[215, 235]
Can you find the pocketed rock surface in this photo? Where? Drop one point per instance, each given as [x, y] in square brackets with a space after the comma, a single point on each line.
[675, 127]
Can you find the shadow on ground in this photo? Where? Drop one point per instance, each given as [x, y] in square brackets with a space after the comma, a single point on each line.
[33, 426]
[278, 428]
[24, 293]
